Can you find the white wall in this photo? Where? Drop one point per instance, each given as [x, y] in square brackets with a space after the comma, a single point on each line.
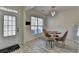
[66, 20]
[27, 28]
[8, 41]
[24, 32]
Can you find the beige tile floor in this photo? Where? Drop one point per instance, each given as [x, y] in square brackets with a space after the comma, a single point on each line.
[39, 46]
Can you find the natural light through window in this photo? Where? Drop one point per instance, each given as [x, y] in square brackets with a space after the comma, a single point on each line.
[78, 31]
[9, 25]
[36, 25]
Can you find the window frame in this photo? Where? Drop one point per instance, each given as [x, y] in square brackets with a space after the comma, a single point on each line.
[77, 31]
[10, 25]
[37, 25]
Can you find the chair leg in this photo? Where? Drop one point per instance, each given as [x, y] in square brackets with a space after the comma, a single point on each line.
[46, 43]
[63, 44]
[51, 44]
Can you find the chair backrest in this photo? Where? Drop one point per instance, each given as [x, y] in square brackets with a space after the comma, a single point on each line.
[46, 33]
[64, 36]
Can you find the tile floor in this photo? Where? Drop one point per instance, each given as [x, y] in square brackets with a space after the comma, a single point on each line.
[39, 46]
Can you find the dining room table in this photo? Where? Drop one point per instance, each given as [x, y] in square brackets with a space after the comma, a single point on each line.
[54, 32]
[54, 35]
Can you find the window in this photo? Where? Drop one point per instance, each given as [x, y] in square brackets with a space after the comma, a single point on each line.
[36, 25]
[9, 25]
[78, 31]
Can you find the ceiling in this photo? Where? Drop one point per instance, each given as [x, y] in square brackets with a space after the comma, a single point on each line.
[47, 9]
[29, 7]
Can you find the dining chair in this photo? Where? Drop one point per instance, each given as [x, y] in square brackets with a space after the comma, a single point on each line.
[63, 38]
[50, 38]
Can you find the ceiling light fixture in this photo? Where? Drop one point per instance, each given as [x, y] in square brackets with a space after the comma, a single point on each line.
[53, 12]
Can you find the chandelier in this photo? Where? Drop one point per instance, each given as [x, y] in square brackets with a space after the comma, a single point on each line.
[53, 12]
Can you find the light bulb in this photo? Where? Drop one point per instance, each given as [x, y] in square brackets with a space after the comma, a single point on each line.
[53, 13]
